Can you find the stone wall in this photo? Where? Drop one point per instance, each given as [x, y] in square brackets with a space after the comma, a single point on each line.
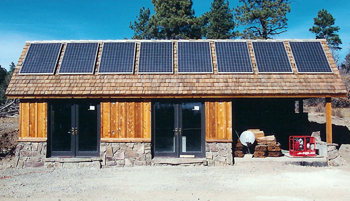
[126, 154]
[30, 154]
[219, 154]
[33, 154]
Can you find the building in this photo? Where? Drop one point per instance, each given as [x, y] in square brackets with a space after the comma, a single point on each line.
[133, 102]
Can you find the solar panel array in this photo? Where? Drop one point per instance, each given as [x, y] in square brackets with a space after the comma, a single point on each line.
[194, 57]
[41, 58]
[233, 57]
[117, 57]
[271, 57]
[310, 57]
[79, 58]
[156, 57]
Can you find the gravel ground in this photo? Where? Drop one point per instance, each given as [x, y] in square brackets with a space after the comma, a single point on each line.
[248, 181]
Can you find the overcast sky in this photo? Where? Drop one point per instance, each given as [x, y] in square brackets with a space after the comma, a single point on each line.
[35, 20]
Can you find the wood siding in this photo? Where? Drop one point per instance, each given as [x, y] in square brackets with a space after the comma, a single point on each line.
[125, 121]
[32, 119]
[218, 121]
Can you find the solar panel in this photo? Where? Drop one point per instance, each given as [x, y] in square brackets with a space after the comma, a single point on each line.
[41, 58]
[117, 57]
[79, 58]
[310, 57]
[194, 57]
[233, 57]
[156, 57]
[271, 57]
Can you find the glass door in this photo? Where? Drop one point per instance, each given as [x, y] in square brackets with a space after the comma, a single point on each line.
[74, 128]
[178, 129]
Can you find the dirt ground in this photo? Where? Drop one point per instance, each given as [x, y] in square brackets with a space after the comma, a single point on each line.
[8, 138]
[248, 181]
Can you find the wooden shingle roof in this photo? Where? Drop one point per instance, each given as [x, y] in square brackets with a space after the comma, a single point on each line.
[175, 85]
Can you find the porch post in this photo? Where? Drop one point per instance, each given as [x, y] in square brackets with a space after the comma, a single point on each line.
[329, 120]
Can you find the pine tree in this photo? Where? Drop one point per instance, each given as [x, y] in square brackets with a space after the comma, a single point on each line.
[346, 65]
[141, 27]
[263, 18]
[173, 19]
[324, 29]
[219, 21]
[3, 84]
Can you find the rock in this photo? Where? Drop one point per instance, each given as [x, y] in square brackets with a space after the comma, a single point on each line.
[109, 151]
[140, 163]
[331, 147]
[317, 135]
[139, 149]
[209, 155]
[119, 155]
[338, 161]
[128, 163]
[333, 154]
[35, 146]
[130, 153]
[213, 147]
[115, 147]
[123, 146]
[344, 152]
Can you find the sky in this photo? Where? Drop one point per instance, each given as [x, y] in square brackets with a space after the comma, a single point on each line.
[37, 20]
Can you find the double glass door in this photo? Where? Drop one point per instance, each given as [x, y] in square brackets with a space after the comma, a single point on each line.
[74, 128]
[178, 129]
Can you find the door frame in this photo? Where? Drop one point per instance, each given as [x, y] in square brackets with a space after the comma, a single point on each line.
[74, 105]
[178, 121]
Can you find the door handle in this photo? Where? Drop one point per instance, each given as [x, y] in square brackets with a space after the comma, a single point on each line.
[76, 131]
[175, 130]
[71, 131]
[180, 131]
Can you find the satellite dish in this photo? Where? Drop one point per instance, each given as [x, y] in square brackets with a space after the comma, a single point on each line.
[247, 138]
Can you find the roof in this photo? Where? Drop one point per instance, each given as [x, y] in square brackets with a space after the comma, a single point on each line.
[176, 85]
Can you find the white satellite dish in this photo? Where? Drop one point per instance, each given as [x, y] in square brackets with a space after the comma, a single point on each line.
[247, 138]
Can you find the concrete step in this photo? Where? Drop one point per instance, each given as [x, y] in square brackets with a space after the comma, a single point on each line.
[179, 161]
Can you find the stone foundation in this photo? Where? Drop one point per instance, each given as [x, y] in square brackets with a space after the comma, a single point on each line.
[126, 154]
[120, 154]
[218, 154]
[30, 154]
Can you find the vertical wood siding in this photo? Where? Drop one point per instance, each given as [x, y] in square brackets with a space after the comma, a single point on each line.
[32, 119]
[126, 120]
[218, 121]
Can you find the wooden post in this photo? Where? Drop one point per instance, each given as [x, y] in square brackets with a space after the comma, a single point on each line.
[329, 120]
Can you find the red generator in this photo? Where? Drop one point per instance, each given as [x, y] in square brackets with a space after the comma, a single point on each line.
[302, 146]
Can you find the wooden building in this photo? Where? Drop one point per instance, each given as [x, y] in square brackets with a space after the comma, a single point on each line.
[134, 102]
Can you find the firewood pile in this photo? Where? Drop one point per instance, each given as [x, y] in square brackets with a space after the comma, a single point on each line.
[267, 146]
[239, 149]
[10, 108]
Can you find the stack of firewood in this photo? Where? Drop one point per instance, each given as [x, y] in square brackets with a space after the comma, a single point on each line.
[267, 146]
[239, 149]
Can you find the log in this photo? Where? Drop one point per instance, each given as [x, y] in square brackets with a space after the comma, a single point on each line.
[261, 148]
[239, 148]
[257, 132]
[270, 140]
[274, 154]
[259, 154]
[239, 154]
[276, 147]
